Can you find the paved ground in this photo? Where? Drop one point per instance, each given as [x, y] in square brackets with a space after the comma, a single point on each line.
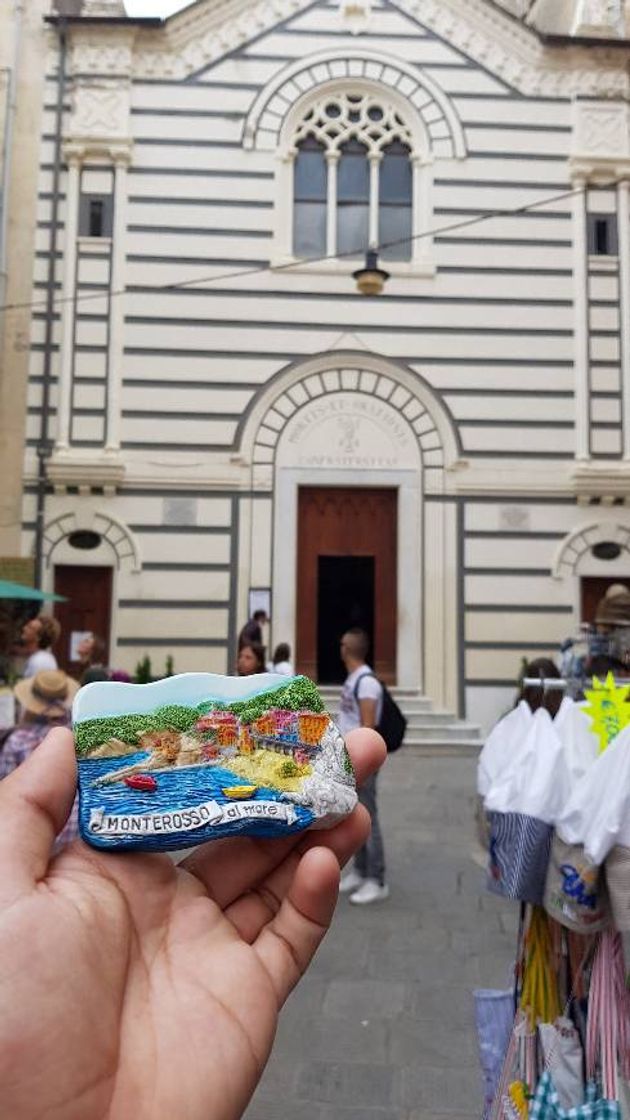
[382, 1027]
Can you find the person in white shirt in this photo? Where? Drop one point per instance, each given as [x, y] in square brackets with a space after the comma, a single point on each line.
[361, 706]
[38, 635]
[281, 661]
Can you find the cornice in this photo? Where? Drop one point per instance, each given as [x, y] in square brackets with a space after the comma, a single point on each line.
[204, 33]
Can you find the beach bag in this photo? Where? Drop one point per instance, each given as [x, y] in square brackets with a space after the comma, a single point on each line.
[563, 1059]
[518, 856]
[494, 1016]
[575, 890]
[518, 1076]
[500, 748]
[546, 1104]
[580, 744]
[597, 813]
[617, 868]
[536, 781]
[392, 724]
[602, 1043]
[540, 998]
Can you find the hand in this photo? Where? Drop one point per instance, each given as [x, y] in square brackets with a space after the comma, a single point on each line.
[133, 988]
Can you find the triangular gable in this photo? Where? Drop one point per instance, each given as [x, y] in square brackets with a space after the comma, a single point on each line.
[207, 31]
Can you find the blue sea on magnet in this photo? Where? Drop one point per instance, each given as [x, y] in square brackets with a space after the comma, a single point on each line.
[198, 756]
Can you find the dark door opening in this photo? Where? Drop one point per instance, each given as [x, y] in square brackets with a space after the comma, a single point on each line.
[345, 598]
[593, 588]
[88, 591]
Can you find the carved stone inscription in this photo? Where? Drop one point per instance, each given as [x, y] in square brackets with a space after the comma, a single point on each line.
[348, 431]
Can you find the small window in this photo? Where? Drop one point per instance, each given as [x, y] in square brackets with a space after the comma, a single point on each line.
[95, 215]
[602, 235]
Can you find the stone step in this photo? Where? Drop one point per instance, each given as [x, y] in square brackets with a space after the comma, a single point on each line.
[410, 702]
[464, 748]
[428, 731]
[432, 719]
[453, 730]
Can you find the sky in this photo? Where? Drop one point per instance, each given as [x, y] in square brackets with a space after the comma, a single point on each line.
[154, 7]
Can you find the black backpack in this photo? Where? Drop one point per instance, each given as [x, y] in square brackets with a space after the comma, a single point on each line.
[392, 724]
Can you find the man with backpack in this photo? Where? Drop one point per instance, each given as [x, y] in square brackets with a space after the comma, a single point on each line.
[362, 706]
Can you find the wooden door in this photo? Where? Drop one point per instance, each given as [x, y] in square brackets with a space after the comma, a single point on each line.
[346, 522]
[88, 592]
[593, 588]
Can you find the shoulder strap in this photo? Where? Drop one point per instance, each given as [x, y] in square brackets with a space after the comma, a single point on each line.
[362, 678]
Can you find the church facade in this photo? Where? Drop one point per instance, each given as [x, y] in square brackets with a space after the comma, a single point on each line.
[227, 422]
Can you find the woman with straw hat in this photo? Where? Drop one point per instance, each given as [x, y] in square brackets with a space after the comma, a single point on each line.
[45, 701]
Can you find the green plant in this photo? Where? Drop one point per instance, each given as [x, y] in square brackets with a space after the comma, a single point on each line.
[143, 674]
[170, 666]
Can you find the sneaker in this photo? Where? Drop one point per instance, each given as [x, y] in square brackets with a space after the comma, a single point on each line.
[370, 891]
[350, 881]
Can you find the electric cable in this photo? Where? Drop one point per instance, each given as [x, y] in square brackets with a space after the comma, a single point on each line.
[302, 261]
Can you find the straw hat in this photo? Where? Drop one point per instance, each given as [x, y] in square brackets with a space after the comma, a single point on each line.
[49, 693]
[614, 609]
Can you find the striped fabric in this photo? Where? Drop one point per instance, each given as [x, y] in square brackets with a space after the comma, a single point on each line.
[607, 1030]
[618, 879]
[546, 1104]
[518, 856]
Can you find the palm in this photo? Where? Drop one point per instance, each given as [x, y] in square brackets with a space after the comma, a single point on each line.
[135, 988]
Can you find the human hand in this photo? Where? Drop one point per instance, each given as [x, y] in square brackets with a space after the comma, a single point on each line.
[134, 988]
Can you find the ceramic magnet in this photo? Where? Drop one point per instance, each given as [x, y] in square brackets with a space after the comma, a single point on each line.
[197, 757]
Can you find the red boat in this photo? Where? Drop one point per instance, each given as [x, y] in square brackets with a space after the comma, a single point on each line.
[143, 782]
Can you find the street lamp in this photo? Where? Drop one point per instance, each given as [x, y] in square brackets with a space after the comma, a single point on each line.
[371, 279]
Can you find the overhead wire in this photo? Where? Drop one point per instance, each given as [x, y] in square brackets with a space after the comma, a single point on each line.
[300, 262]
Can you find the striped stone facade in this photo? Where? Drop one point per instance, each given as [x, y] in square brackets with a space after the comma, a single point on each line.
[199, 370]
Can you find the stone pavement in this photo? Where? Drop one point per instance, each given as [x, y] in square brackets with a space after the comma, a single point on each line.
[382, 1026]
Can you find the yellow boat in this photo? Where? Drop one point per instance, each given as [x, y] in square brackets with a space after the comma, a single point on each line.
[238, 793]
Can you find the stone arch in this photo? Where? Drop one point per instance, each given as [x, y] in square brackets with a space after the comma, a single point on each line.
[343, 371]
[433, 117]
[114, 532]
[581, 540]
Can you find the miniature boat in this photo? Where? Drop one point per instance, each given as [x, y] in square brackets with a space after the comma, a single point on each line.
[143, 782]
[239, 792]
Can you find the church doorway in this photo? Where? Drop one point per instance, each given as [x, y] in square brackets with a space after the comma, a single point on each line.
[346, 576]
[345, 599]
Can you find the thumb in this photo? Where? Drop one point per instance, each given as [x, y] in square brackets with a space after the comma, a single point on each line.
[35, 803]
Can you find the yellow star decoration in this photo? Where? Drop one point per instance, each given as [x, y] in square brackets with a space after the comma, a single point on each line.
[607, 709]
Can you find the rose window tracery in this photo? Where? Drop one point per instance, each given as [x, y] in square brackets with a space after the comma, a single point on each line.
[366, 117]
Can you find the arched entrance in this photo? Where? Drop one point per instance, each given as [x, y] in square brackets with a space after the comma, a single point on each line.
[84, 552]
[365, 442]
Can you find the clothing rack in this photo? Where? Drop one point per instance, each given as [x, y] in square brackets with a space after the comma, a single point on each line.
[552, 683]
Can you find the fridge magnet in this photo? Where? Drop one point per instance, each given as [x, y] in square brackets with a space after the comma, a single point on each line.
[196, 757]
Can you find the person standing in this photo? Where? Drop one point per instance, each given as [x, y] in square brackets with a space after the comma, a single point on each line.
[45, 701]
[251, 659]
[92, 653]
[253, 630]
[281, 661]
[38, 635]
[361, 706]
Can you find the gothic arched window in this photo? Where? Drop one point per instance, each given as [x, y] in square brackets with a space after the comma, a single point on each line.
[353, 179]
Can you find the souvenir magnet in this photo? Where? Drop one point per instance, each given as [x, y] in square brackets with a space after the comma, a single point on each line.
[197, 757]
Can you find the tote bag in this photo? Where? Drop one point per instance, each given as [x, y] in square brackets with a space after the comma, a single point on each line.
[575, 889]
